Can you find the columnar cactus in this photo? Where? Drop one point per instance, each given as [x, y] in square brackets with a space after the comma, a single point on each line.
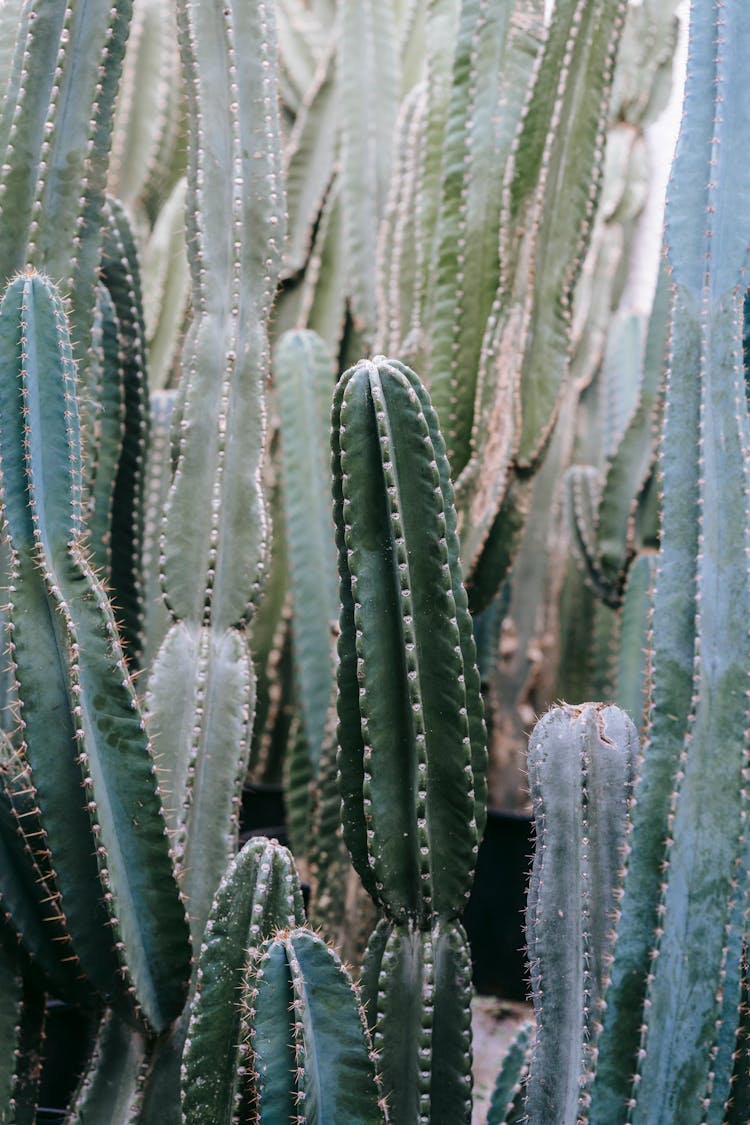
[411, 732]
[580, 772]
[90, 766]
[672, 1007]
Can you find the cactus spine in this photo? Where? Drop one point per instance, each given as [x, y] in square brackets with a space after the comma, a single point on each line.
[411, 731]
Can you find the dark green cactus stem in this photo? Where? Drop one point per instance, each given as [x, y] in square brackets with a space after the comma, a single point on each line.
[121, 276]
[111, 1088]
[580, 770]
[672, 1007]
[259, 895]
[88, 755]
[411, 730]
[29, 898]
[311, 1056]
[22, 1010]
[416, 986]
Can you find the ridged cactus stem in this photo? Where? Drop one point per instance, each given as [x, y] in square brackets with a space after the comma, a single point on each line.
[669, 1028]
[411, 730]
[580, 769]
[201, 691]
[82, 736]
[259, 895]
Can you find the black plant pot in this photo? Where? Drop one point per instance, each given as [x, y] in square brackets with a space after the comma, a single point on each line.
[494, 916]
[262, 813]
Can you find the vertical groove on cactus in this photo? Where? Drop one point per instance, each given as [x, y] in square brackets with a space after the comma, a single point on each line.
[121, 275]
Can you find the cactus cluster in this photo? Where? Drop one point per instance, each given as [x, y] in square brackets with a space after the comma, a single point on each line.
[209, 213]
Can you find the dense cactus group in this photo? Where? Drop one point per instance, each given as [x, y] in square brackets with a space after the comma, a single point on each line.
[208, 211]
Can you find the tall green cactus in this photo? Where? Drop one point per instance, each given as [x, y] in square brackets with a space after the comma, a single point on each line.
[411, 732]
[89, 761]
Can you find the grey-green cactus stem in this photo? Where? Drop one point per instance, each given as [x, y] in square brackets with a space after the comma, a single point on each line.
[676, 983]
[580, 774]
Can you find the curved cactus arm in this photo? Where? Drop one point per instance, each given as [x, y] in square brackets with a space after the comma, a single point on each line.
[676, 977]
[580, 770]
[409, 722]
[368, 84]
[111, 1088]
[91, 764]
[305, 375]
[120, 272]
[416, 985]
[511, 1080]
[495, 52]
[22, 1010]
[311, 1055]
[309, 159]
[302, 34]
[259, 895]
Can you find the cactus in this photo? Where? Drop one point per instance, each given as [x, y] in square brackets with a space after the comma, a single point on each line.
[90, 766]
[258, 895]
[509, 1088]
[675, 990]
[311, 1056]
[21, 1036]
[580, 773]
[411, 731]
